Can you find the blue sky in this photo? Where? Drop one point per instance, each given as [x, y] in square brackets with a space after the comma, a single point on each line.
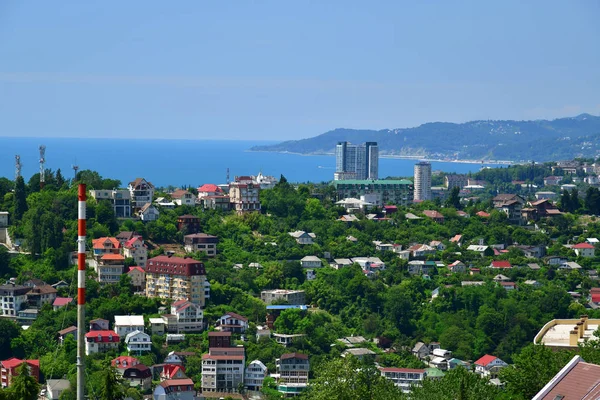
[274, 70]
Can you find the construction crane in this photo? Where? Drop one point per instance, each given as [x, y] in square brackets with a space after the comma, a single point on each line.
[42, 166]
[18, 166]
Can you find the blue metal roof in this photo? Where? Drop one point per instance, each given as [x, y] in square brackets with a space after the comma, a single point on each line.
[285, 307]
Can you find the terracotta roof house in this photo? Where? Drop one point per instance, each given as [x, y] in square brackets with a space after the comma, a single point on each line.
[138, 376]
[500, 264]
[577, 380]
[61, 302]
[435, 215]
[584, 250]
[209, 189]
[123, 362]
[8, 369]
[183, 197]
[482, 214]
[489, 365]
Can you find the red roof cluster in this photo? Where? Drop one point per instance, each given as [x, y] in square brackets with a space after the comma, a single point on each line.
[210, 187]
[99, 243]
[485, 360]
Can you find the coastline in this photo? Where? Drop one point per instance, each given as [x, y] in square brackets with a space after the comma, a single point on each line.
[399, 157]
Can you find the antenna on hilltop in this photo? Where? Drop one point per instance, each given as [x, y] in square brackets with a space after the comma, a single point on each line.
[227, 179]
[42, 166]
[75, 168]
[18, 166]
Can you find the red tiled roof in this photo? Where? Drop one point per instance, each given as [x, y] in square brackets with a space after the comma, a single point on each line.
[15, 362]
[433, 214]
[136, 268]
[99, 243]
[581, 382]
[105, 336]
[237, 316]
[485, 360]
[595, 297]
[179, 193]
[170, 370]
[129, 362]
[112, 257]
[221, 357]
[67, 330]
[62, 301]
[501, 264]
[177, 382]
[483, 214]
[219, 334]
[209, 187]
[583, 246]
[131, 241]
[175, 266]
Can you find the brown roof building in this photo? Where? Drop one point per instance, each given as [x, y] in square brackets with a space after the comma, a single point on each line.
[578, 380]
[177, 279]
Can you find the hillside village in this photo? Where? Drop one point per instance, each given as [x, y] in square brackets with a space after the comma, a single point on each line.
[253, 289]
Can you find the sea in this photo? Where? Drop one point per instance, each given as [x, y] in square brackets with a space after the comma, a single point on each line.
[184, 162]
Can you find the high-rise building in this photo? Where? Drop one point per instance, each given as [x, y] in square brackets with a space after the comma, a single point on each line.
[422, 181]
[177, 278]
[356, 161]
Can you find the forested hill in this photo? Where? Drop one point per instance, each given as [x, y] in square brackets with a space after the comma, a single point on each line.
[540, 140]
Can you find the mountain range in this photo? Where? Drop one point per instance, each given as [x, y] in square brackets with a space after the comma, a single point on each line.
[539, 140]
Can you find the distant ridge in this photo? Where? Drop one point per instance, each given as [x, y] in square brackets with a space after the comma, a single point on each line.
[539, 140]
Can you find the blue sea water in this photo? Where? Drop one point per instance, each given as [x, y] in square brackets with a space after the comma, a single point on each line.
[182, 162]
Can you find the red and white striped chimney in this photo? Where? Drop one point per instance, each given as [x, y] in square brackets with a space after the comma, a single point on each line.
[81, 237]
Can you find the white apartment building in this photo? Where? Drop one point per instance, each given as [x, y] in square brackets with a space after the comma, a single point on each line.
[244, 195]
[125, 324]
[422, 184]
[138, 342]
[255, 375]
[120, 200]
[183, 198]
[296, 297]
[101, 341]
[13, 298]
[109, 268]
[177, 279]
[201, 242]
[223, 369]
[141, 192]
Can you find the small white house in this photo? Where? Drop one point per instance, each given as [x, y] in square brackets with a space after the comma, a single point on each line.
[125, 324]
[584, 250]
[489, 365]
[303, 237]
[149, 213]
[232, 322]
[311, 262]
[138, 342]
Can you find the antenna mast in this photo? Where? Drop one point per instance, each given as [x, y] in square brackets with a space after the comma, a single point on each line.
[42, 166]
[227, 180]
[81, 237]
[75, 169]
[18, 166]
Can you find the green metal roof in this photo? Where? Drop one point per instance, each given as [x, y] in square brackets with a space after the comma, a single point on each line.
[373, 182]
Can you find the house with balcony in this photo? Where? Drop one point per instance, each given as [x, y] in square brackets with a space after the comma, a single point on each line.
[13, 299]
[296, 297]
[139, 376]
[101, 341]
[302, 237]
[188, 317]
[172, 371]
[141, 193]
[40, 295]
[99, 324]
[511, 205]
[188, 223]
[292, 370]
[148, 213]
[244, 195]
[209, 189]
[109, 268]
[138, 342]
[105, 245]
[311, 262]
[201, 242]
[489, 366]
[55, 387]
[138, 278]
[254, 376]
[136, 249]
[222, 202]
[585, 250]
[183, 197]
[223, 366]
[121, 363]
[232, 322]
[404, 378]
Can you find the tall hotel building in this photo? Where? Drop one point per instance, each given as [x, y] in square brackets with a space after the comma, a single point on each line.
[422, 181]
[356, 161]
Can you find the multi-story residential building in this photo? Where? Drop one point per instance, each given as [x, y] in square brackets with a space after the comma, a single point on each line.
[136, 249]
[265, 181]
[292, 369]
[222, 367]
[244, 195]
[138, 278]
[99, 324]
[201, 242]
[188, 223]
[255, 374]
[489, 366]
[221, 202]
[101, 341]
[120, 200]
[356, 161]
[511, 205]
[148, 213]
[141, 192]
[585, 250]
[290, 296]
[177, 279]
[125, 324]
[3, 219]
[8, 369]
[189, 316]
[404, 378]
[456, 180]
[390, 191]
[303, 237]
[422, 181]
[183, 198]
[109, 268]
[138, 342]
[121, 363]
[106, 245]
[14, 298]
[175, 389]
[232, 322]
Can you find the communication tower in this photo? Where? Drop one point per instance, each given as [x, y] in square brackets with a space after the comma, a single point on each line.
[75, 169]
[18, 166]
[42, 166]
